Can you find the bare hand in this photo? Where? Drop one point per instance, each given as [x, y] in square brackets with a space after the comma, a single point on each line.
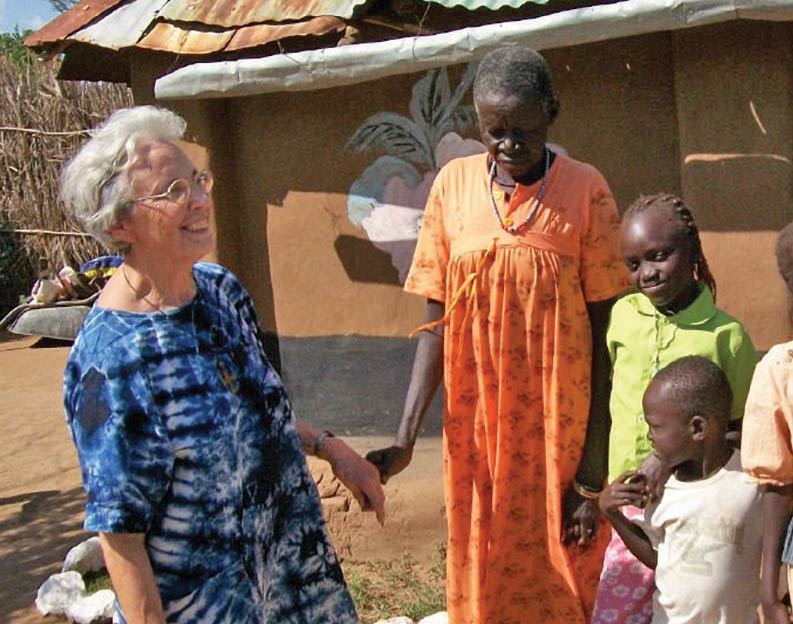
[579, 518]
[655, 474]
[774, 610]
[390, 461]
[630, 488]
[775, 613]
[358, 475]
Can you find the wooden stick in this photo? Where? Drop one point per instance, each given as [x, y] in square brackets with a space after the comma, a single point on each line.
[42, 232]
[45, 132]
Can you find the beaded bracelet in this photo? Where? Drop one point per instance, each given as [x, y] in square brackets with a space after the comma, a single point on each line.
[586, 491]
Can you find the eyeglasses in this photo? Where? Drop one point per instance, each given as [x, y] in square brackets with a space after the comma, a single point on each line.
[180, 191]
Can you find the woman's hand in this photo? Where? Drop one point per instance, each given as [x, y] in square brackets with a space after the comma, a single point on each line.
[390, 461]
[579, 518]
[655, 475]
[358, 475]
[630, 488]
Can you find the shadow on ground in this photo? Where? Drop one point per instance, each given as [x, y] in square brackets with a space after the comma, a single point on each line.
[37, 529]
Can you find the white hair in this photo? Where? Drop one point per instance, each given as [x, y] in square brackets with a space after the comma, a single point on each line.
[95, 187]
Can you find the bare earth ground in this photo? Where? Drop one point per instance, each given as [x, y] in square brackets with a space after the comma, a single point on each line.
[41, 498]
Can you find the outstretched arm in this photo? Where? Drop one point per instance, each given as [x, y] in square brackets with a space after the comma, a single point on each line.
[358, 475]
[634, 538]
[629, 489]
[424, 381]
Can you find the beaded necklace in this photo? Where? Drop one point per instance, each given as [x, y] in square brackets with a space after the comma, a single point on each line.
[507, 224]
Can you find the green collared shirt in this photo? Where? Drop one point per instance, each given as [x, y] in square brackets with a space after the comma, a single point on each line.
[641, 341]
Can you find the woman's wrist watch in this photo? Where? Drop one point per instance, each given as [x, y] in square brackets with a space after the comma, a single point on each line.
[319, 441]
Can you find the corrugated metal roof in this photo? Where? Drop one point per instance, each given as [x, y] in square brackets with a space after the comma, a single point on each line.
[251, 36]
[167, 37]
[229, 13]
[193, 26]
[121, 28]
[493, 5]
[70, 21]
[221, 27]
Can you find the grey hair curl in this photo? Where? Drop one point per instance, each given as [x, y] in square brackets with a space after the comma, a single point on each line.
[94, 186]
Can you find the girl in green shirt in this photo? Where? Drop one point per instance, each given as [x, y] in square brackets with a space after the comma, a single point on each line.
[672, 315]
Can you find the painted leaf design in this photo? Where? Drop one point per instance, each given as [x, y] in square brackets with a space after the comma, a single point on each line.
[430, 97]
[397, 135]
[465, 115]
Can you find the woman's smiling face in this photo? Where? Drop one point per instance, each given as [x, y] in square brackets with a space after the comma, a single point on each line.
[160, 225]
[659, 258]
[513, 131]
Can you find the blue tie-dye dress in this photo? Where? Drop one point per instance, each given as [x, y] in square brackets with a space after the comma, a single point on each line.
[185, 433]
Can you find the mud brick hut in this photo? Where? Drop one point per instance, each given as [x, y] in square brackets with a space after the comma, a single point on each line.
[325, 121]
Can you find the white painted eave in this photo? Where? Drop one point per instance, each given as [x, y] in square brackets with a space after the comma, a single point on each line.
[352, 64]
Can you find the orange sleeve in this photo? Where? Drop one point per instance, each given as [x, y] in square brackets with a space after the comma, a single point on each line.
[427, 276]
[603, 274]
[766, 440]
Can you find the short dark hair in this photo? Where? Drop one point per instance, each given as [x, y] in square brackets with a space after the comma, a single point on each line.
[519, 71]
[698, 387]
[686, 226]
[784, 255]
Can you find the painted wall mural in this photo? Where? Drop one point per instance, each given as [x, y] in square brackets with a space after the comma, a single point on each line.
[388, 199]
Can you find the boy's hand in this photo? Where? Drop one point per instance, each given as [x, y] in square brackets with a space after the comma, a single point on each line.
[630, 488]
[775, 613]
[655, 474]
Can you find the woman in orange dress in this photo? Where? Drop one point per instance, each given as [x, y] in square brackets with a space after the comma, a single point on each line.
[518, 258]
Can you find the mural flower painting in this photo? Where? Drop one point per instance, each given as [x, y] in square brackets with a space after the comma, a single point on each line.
[387, 201]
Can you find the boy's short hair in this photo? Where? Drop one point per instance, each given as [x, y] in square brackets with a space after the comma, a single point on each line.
[698, 386]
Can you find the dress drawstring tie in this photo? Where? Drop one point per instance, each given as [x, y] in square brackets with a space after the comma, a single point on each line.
[467, 288]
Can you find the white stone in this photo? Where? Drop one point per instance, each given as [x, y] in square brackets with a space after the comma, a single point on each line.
[85, 557]
[99, 606]
[396, 620]
[58, 592]
[437, 618]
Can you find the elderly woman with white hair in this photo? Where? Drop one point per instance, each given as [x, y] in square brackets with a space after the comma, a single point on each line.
[190, 454]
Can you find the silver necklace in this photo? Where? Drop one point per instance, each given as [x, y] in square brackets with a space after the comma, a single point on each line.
[508, 225]
[136, 291]
[192, 304]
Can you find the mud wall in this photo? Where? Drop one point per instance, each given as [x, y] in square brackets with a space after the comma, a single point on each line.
[704, 112]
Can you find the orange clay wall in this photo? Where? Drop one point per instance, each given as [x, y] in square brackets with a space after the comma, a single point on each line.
[705, 112]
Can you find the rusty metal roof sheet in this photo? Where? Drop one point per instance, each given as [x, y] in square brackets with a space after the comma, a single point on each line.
[121, 28]
[196, 27]
[70, 21]
[230, 13]
[250, 36]
[493, 5]
[183, 39]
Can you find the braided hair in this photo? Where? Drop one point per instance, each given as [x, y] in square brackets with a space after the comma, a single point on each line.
[686, 227]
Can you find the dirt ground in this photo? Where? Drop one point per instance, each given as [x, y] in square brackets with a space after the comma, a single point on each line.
[41, 498]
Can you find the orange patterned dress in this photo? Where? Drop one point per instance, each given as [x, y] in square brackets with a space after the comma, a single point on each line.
[517, 358]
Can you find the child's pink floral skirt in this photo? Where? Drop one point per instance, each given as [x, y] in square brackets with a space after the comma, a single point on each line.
[625, 593]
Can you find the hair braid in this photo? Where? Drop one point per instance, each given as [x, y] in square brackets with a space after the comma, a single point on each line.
[687, 227]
